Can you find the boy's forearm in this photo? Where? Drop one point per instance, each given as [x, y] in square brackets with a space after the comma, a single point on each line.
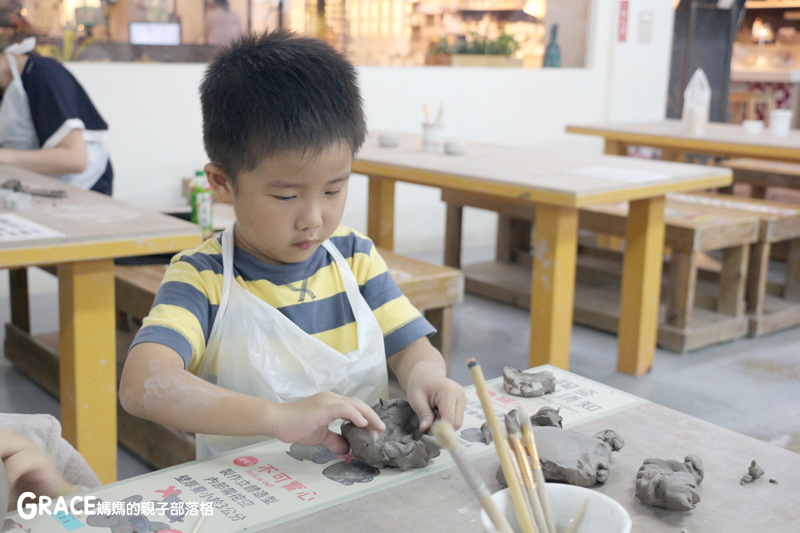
[420, 355]
[160, 390]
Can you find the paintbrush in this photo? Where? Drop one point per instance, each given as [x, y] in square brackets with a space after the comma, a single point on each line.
[446, 436]
[515, 439]
[538, 475]
[577, 518]
[518, 499]
[199, 523]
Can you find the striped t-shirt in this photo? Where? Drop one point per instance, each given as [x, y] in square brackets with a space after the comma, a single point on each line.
[310, 293]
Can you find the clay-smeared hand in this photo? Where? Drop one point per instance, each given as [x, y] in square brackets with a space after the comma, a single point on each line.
[429, 390]
[306, 421]
[29, 469]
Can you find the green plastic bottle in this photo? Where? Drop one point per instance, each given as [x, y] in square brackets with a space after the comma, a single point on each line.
[202, 212]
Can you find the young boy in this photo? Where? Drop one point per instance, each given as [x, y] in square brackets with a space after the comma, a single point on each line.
[287, 322]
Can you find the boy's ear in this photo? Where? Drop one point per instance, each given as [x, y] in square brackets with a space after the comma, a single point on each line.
[220, 184]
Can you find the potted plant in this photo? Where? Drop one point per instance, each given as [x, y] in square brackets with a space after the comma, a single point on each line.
[479, 51]
[440, 53]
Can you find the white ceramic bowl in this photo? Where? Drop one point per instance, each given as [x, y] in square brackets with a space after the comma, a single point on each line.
[753, 127]
[455, 147]
[388, 140]
[602, 515]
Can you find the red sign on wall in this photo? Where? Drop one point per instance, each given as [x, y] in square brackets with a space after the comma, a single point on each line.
[622, 22]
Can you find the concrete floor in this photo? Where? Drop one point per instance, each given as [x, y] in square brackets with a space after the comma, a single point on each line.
[751, 386]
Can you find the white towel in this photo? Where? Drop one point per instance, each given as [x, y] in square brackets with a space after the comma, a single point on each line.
[45, 431]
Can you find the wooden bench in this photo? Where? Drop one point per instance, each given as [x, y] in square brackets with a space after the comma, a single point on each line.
[433, 289]
[686, 321]
[761, 175]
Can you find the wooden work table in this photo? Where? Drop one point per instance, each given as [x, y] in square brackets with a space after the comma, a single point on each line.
[264, 487]
[720, 140]
[90, 231]
[556, 185]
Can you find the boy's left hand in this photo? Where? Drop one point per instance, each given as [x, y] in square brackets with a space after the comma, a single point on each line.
[428, 388]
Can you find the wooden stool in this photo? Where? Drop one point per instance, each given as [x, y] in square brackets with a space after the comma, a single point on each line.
[773, 298]
[743, 105]
[687, 321]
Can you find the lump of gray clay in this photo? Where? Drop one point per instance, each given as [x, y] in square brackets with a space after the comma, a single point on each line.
[547, 416]
[670, 484]
[572, 457]
[528, 384]
[753, 473]
[401, 446]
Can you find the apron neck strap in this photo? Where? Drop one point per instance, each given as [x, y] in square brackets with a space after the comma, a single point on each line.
[18, 49]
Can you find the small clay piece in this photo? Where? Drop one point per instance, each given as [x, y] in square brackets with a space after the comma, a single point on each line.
[316, 454]
[528, 384]
[473, 435]
[572, 457]
[349, 472]
[486, 429]
[775, 481]
[753, 473]
[401, 446]
[670, 484]
[547, 416]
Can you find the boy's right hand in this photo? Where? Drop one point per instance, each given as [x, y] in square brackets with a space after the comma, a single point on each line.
[306, 421]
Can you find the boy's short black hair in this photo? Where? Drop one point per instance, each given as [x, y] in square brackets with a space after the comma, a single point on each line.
[278, 92]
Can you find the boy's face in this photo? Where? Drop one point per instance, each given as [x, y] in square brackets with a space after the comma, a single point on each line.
[289, 204]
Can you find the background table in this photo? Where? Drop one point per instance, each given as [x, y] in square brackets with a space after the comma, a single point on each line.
[720, 140]
[94, 230]
[556, 185]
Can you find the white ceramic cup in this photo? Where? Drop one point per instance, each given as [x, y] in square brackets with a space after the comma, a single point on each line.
[780, 121]
[753, 127]
[602, 514]
[432, 137]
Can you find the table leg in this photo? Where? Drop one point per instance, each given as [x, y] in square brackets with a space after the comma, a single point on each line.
[380, 212]
[452, 235]
[555, 245]
[616, 148]
[20, 303]
[88, 366]
[641, 285]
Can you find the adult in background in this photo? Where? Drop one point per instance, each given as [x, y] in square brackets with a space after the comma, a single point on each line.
[222, 24]
[48, 124]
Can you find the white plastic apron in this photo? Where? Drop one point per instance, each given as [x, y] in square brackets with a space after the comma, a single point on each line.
[254, 349]
[16, 124]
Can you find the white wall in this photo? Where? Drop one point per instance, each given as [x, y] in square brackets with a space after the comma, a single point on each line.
[154, 114]
[638, 70]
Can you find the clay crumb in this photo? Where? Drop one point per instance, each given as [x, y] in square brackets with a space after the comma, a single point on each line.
[773, 481]
[753, 472]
